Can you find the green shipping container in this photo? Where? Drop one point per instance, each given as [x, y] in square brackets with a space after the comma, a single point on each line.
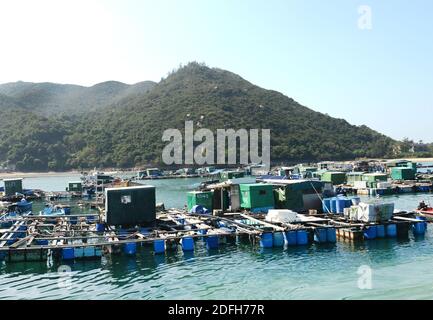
[75, 186]
[412, 165]
[13, 186]
[291, 195]
[335, 177]
[288, 199]
[354, 176]
[200, 198]
[375, 177]
[400, 173]
[256, 196]
[228, 175]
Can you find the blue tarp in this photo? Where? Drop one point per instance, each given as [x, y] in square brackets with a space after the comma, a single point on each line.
[200, 210]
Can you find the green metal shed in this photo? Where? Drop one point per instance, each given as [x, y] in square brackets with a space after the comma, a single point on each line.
[401, 173]
[200, 198]
[13, 186]
[354, 176]
[375, 177]
[291, 195]
[228, 175]
[256, 196]
[76, 186]
[335, 177]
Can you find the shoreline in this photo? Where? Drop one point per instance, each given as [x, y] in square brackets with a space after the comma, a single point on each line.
[9, 175]
[422, 160]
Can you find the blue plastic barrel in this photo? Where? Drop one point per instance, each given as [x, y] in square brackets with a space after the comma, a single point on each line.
[331, 235]
[267, 240]
[340, 204]
[89, 252]
[301, 238]
[356, 201]
[291, 238]
[326, 205]
[145, 231]
[100, 227]
[320, 235]
[159, 246]
[42, 242]
[425, 221]
[380, 231]
[212, 242]
[391, 230]
[187, 244]
[334, 205]
[22, 228]
[348, 203]
[370, 233]
[418, 228]
[130, 248]
[68, 254]
[91, 219]
[278, 239]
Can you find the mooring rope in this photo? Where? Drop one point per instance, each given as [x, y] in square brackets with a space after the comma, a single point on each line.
[321, 199]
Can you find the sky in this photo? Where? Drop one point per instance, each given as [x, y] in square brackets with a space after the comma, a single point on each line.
[369, 62]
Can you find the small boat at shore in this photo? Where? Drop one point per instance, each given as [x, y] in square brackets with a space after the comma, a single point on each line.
[55, 210]
[425, 211]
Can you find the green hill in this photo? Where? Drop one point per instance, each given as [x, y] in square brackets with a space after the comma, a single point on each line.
[124, 128]
[51, 98]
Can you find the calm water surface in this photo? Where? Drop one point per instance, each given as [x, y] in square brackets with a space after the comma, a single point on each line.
[400, 269]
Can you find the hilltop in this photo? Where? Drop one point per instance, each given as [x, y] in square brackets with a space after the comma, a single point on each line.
[116, 125]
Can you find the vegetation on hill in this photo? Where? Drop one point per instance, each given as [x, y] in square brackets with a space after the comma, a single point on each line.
[51, 99]
[115, 125]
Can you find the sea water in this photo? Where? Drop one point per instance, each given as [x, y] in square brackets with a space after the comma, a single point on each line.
[378, 269]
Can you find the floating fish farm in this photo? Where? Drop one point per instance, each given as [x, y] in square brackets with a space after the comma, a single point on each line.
[265, 212]
[130, 219]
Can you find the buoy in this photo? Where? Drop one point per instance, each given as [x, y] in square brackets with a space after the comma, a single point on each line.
[159, 246]
[130, 248]
[267, 240]
[187, 244]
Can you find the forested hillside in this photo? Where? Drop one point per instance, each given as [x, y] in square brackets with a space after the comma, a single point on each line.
[116, 125]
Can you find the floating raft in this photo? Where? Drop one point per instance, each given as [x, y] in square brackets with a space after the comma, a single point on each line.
[74, 237]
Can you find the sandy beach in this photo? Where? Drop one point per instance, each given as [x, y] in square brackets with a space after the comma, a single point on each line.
[11, 175]
[421, 160]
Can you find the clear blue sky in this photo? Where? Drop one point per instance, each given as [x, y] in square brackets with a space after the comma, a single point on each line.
[311, 50]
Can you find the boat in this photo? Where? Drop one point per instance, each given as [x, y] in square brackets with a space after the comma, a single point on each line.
[4, 204]
[20, 207]
[15, 210]
[55, 196]
[55, 210]
[425, 211]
